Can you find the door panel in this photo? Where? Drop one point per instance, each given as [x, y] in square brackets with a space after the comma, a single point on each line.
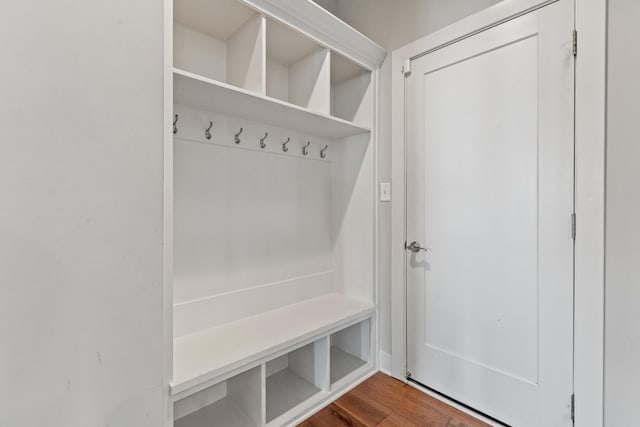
[490, 193]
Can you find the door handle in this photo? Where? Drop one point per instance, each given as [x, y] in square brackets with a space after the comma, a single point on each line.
[415, 247]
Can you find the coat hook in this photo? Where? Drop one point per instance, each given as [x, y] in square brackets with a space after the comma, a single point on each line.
[322, 152]
[175, 121]
[262, 144]
[207, 133]
[237, 136]
[284, 145]
[304, 149]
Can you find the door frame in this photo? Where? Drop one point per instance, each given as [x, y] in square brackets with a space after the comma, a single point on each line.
[590, 115]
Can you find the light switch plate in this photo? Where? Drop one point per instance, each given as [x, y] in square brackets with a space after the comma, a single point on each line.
[385, 191]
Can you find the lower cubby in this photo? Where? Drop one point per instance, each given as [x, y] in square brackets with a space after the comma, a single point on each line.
[295, 378]
[236, 402]
[350, 350]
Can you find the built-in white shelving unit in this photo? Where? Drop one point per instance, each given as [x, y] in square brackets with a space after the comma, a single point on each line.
[272, 205]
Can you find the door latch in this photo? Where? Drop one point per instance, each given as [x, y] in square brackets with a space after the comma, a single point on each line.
[415, 247]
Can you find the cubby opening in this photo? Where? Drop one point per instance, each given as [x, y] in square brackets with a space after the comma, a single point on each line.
[350, 91]
[298, 70]
[222, 40]
[236, 402]
[296, 377]
[350, 350]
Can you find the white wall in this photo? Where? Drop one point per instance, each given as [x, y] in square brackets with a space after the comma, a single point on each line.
[81, 308]
[330, 5]
[622, 317]
[393, 24]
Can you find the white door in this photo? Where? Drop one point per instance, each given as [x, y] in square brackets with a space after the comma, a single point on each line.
[490, 194]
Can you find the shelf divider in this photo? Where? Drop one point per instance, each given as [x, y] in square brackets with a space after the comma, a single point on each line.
[246, 56]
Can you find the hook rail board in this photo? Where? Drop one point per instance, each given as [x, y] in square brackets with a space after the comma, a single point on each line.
[215, 129]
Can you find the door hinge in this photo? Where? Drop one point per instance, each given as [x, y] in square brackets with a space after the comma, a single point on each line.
[406, 68]
[573, 408]
[575, 42]
[573, 226]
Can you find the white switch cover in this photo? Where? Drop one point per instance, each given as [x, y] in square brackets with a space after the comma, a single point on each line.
[385, 191]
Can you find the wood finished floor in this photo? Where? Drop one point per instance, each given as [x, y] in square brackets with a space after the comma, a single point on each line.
[385, 402]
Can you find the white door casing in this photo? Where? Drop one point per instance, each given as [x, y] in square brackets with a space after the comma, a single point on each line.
[490, 191]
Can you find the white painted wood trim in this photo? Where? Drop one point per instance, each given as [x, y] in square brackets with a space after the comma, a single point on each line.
[398, 219]
[590, 156]
[467, 27]
[591, 22]
[167, 250]
[375, 288]
[324, 28]
[385, 362]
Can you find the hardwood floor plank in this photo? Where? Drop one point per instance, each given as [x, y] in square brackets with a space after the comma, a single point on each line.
[465, 420]
[395, 420]
[333, 416]
[404, 400]
[458, 423]
[458, 417]
[365, 410]
[383, 401]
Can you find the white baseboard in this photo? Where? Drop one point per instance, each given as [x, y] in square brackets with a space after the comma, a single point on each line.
[385, 363]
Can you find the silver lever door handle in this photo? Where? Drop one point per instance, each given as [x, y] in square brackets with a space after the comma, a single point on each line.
[415, 247]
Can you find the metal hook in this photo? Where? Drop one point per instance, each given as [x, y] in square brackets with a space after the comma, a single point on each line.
[237, 136]
[322, 152]
[284, 145]
[304, 149]
[262, 144]
[207, 133]
[175, 121]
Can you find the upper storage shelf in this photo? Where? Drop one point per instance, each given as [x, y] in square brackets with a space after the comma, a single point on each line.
[201, 92]
[238, 57]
